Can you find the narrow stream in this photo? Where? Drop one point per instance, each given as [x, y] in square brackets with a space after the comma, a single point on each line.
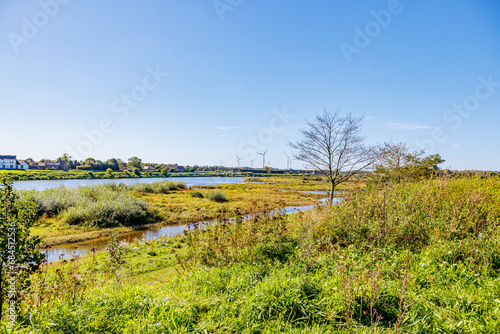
[83, 248]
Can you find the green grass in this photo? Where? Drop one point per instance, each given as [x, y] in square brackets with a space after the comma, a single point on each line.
[71, 215]
[413, 258]
[32, 174]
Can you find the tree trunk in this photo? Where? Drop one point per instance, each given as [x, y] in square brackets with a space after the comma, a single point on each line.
[332, 192]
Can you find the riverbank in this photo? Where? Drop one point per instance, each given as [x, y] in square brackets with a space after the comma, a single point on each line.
[31, 174]
[185, 206]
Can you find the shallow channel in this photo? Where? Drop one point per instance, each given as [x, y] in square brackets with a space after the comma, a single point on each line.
[85, 247]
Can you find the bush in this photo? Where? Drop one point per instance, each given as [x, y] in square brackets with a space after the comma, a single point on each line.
[161, 187]
[196, 194]
[104, 205]
[216, 196]
[108, 212]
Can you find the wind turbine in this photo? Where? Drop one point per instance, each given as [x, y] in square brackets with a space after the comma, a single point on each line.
[238, 158]
[287, 161]
[251, 162]
[263, 158]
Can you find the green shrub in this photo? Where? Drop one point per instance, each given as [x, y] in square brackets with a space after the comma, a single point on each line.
[216, 196]
[103, 205]
[161, 187]
[196, 194]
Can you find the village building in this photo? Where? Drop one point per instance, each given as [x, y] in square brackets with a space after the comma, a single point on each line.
[59, 165]
[10, 162]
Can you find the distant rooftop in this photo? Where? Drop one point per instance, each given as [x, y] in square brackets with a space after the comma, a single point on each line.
[7, 157]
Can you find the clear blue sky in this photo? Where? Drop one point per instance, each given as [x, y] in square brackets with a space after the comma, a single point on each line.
[233, 66]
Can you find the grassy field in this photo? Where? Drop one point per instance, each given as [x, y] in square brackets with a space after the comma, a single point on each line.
[71, 215]
[31, 174]
[407, 258]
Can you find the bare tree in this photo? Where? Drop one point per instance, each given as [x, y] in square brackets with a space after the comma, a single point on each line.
[333, 145]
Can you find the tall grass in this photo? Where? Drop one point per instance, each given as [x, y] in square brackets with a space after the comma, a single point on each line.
[161, 187]
[101, 205]
[417, 214]
[409, 258]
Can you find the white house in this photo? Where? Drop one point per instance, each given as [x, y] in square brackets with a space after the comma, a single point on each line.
[10, 162]
[22, 164]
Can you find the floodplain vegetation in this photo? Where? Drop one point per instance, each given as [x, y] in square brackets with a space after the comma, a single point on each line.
[77, 214]
[409, 257]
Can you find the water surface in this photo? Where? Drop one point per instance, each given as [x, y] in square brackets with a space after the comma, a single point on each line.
[189, 181]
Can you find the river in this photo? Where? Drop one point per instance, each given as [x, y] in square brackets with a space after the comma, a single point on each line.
[189, 181]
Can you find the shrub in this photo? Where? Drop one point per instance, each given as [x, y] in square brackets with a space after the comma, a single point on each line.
[216, 196]
[196, 194]
[161, 187]
[104, 205]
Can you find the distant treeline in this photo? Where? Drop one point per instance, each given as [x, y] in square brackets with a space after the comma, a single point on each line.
[468, 173]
